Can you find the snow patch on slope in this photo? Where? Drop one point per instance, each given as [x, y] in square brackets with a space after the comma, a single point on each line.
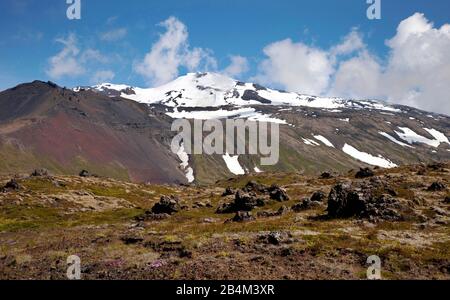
[184, 157]
[324, 140]
[411, 137]
[393, 139]
[368, 158]
[233, 164]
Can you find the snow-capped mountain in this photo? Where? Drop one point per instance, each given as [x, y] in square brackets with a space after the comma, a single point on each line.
[317, 132]
[216, 90]
[125, 132]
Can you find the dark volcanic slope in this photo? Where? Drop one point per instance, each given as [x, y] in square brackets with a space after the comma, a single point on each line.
[42, 125]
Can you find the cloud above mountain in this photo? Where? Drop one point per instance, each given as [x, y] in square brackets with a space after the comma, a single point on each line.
[170, 52]
[415, 73]
[71, 61]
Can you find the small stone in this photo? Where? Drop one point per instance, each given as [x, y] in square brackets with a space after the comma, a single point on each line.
[243, 216]
[364, 173]
[436, 187]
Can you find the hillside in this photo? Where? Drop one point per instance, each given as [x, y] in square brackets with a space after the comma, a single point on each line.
[295, 227]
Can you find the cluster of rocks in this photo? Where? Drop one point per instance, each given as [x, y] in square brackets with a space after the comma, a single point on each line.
[364, 200]
[40, 173]
[251, 196]
[11, 185]
[167, 206]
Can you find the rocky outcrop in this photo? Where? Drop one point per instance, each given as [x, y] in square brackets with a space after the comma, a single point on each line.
[278, 194]
[346, 200]
[11, 185]
[364, 173]
[251, 196]
[40, 173]
[167, 205]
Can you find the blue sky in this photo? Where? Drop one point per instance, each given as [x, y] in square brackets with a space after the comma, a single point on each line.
[114, 36]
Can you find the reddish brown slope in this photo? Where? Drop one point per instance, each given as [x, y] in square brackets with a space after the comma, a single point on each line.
[65, 131]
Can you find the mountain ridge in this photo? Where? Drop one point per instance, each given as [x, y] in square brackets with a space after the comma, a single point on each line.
[124, 132]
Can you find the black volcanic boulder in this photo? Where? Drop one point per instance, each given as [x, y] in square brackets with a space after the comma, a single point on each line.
[253, 186]
[84, 173]
[345, 202]
[225, 208]
[436, 187]
[318, 196]
[246, 201]
[228, 192]
[40, 173]
[305, 204]
[364, 173]
[362, 200]
[243, 216]
[167, 205]
[11, 185]
[278, 194]
[326, 175]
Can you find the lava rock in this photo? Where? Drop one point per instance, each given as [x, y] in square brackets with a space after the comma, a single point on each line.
[318, 196]
[11, 185]
[228, 192]
[243, 216]
[436, 187]
[364, 173]
[278, 194]
[326, 175]
[167, 205]
[270, 213]
[150, 216]
[131, 240]
[245, 202]
[305, 204]
[275, 238]
[344, 202]
[40, 173]
[253, 186]
[225, 208]
[447, 200]
[84, 173]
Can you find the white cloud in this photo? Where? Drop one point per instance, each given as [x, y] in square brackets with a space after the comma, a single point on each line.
[102, 76]
[93, 55]
[171, 52]
[358, 77]
[114, 35]
[71, 61]
[296, 67]
[350, 43]
[238, 66]
[65, 62]
[416, 71]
